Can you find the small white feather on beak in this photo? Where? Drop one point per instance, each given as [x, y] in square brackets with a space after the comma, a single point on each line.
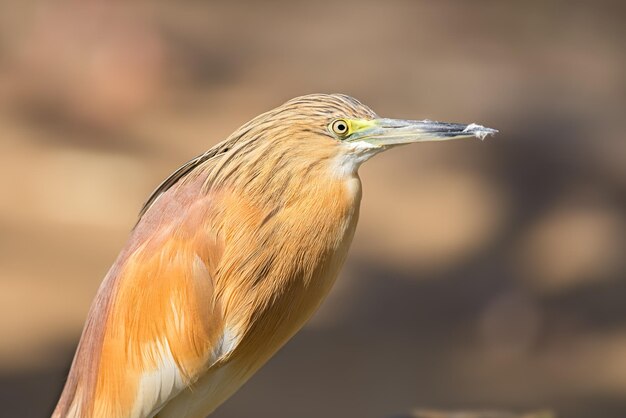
[479, 131]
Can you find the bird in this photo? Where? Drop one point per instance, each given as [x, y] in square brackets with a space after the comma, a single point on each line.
[230, 256]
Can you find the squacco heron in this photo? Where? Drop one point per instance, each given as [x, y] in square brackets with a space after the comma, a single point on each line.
[230, 257]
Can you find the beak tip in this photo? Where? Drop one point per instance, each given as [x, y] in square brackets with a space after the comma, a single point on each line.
[479, 131]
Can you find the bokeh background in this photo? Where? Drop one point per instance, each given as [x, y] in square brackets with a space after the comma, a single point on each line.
[483, 274]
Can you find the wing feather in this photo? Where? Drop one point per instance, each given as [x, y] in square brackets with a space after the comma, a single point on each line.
[155, 324]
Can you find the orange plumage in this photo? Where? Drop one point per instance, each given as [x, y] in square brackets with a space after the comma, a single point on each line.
[231, 255]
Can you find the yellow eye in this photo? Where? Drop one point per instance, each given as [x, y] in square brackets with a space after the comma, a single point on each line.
[340, 127]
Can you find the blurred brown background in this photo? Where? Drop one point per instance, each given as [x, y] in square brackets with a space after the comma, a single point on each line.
[483, 274]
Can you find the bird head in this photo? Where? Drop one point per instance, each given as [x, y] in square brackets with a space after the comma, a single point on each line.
[359, 133]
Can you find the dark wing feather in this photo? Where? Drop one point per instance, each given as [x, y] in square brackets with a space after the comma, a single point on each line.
[220, 148]
[177, 175]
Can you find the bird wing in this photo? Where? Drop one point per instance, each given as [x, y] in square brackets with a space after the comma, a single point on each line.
[156, 324]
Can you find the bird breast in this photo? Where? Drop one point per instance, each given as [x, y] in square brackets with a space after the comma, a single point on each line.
[277, 267]
[283, 261]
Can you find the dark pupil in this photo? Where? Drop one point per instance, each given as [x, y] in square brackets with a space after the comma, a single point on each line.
[341, 127]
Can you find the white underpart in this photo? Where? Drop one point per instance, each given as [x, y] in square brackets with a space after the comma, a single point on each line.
[211, 389]
[157, 387]
[206, 394]
[228, 342]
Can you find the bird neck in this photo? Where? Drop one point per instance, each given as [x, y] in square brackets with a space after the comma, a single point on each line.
[305, 242]
[285, 244]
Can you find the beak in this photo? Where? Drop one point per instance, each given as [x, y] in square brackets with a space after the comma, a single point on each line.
[390, 132]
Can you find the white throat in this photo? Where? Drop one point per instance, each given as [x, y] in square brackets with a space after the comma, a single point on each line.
[356, 153]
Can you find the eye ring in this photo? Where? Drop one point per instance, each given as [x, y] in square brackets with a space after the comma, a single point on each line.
[340, 127]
